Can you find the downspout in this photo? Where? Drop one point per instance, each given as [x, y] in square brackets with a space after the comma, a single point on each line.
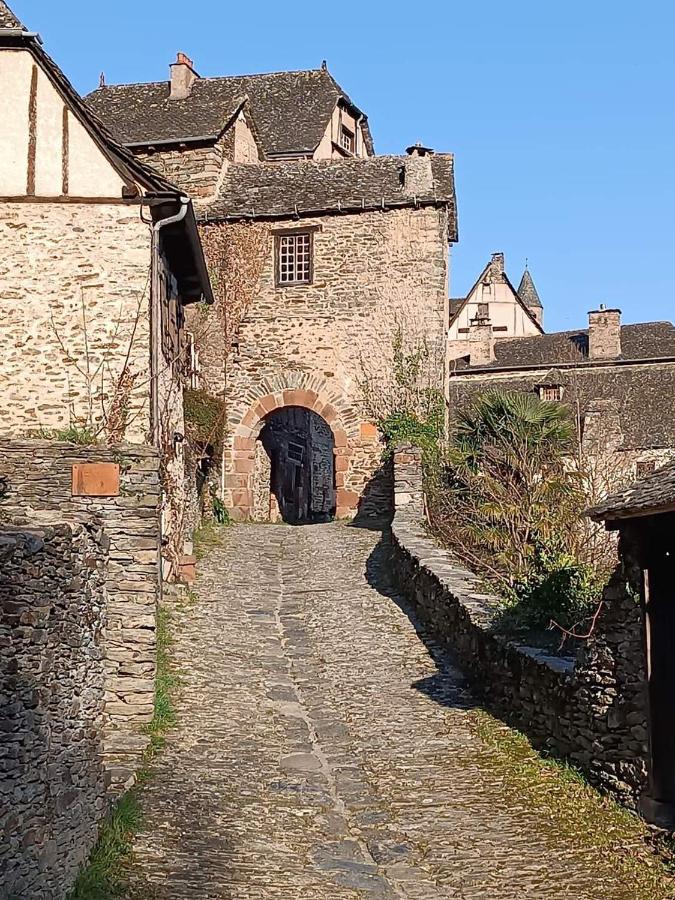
[156, 316]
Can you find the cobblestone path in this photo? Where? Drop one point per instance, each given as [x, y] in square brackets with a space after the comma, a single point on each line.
[320, 753]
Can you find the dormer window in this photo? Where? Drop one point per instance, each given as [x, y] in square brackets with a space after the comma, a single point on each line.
[347, 141]
[551, 392]
[294, 258]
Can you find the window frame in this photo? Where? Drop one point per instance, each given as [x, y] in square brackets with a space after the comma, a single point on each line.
[558, 388]
[278, 239]
[351, 135]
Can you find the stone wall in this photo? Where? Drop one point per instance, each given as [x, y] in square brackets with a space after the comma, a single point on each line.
[63, 264]
[314, 345]
[195, 169]
[591, 711]
[52, 779]
[37, 489]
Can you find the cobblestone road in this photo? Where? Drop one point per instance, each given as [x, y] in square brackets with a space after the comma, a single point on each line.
[320, 753]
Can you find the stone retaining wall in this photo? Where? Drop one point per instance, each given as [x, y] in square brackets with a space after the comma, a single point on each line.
[37, 476]
[591, 711]
[52, 779]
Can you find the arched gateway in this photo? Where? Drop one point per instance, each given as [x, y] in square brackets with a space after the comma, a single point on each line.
[261, 456]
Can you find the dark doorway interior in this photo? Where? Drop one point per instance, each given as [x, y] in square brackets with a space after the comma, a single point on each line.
[659, 543]
[300, 446]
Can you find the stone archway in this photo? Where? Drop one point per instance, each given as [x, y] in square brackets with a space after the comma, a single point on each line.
[240, 455]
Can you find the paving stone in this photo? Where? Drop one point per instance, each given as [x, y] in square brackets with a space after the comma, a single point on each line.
[321, 753]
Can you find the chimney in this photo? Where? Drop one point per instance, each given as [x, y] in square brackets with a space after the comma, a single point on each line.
[418, 178]
[497, 267]
[183, 76]
[481, 342]
[604, 333]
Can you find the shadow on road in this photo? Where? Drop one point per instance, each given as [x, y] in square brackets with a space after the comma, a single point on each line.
[448, 686]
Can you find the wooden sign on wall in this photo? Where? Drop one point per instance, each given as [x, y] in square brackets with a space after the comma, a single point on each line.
[96, 480]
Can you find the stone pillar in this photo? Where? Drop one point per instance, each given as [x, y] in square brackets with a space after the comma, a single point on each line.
[408, 479]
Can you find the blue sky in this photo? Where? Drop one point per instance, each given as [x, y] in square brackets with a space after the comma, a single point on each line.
[560, 115]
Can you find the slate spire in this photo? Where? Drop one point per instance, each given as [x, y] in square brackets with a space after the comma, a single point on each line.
[528, 292]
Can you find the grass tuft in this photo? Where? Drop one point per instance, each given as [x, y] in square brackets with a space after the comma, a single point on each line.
[591, 821]
[206, 537]
[104, 877]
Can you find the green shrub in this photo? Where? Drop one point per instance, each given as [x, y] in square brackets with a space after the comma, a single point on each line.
[556, 586]
[204, 419]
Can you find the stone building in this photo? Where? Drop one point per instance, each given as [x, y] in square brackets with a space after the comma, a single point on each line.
[318, 251]
[191, 128]
[618, 379]
[101, 256]
[493, 301]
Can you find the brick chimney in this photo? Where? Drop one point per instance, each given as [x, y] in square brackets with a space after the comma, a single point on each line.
[481, 342]
[418, 178]
[604, 333]
[183, 76]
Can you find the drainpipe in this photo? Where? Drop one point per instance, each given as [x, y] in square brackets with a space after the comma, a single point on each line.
[156, 316]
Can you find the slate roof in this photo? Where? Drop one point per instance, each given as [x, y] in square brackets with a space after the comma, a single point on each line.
[306, 187]
[528, 292]
[7, 17]
[646, 340]
[653, 494]
[291, 110]
[640, 396]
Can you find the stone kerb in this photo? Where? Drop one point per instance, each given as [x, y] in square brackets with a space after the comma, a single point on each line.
[591, 711]
[52, 685]
[348, 436]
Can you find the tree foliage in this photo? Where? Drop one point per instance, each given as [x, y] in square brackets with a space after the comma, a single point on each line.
[510, 502]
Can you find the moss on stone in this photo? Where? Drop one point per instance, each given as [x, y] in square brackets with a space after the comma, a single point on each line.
[204, 418]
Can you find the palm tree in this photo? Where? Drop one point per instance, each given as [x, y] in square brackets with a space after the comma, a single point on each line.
[510, 486]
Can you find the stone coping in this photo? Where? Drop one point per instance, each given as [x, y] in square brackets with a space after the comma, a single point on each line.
[464, 587]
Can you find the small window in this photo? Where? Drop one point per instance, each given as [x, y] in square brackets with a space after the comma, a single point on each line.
[347, 139]
[294, 258]
[642, 469]
[483, 310]
[296, 452]
[552, 392]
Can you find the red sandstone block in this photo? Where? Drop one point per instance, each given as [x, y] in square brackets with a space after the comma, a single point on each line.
[236, 480]
[250, 419]
[239, 513]
[340, 438]
[244, 443]
[244, 463]
[242, 499]
[267, 404]
[329, 413]
[339, 479]
[341, 463]
[369, 432]
[348, 499]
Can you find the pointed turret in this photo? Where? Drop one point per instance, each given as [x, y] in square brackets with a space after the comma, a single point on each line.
[528, 294]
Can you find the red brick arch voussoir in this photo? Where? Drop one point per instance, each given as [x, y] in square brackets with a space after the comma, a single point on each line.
[246, 434]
